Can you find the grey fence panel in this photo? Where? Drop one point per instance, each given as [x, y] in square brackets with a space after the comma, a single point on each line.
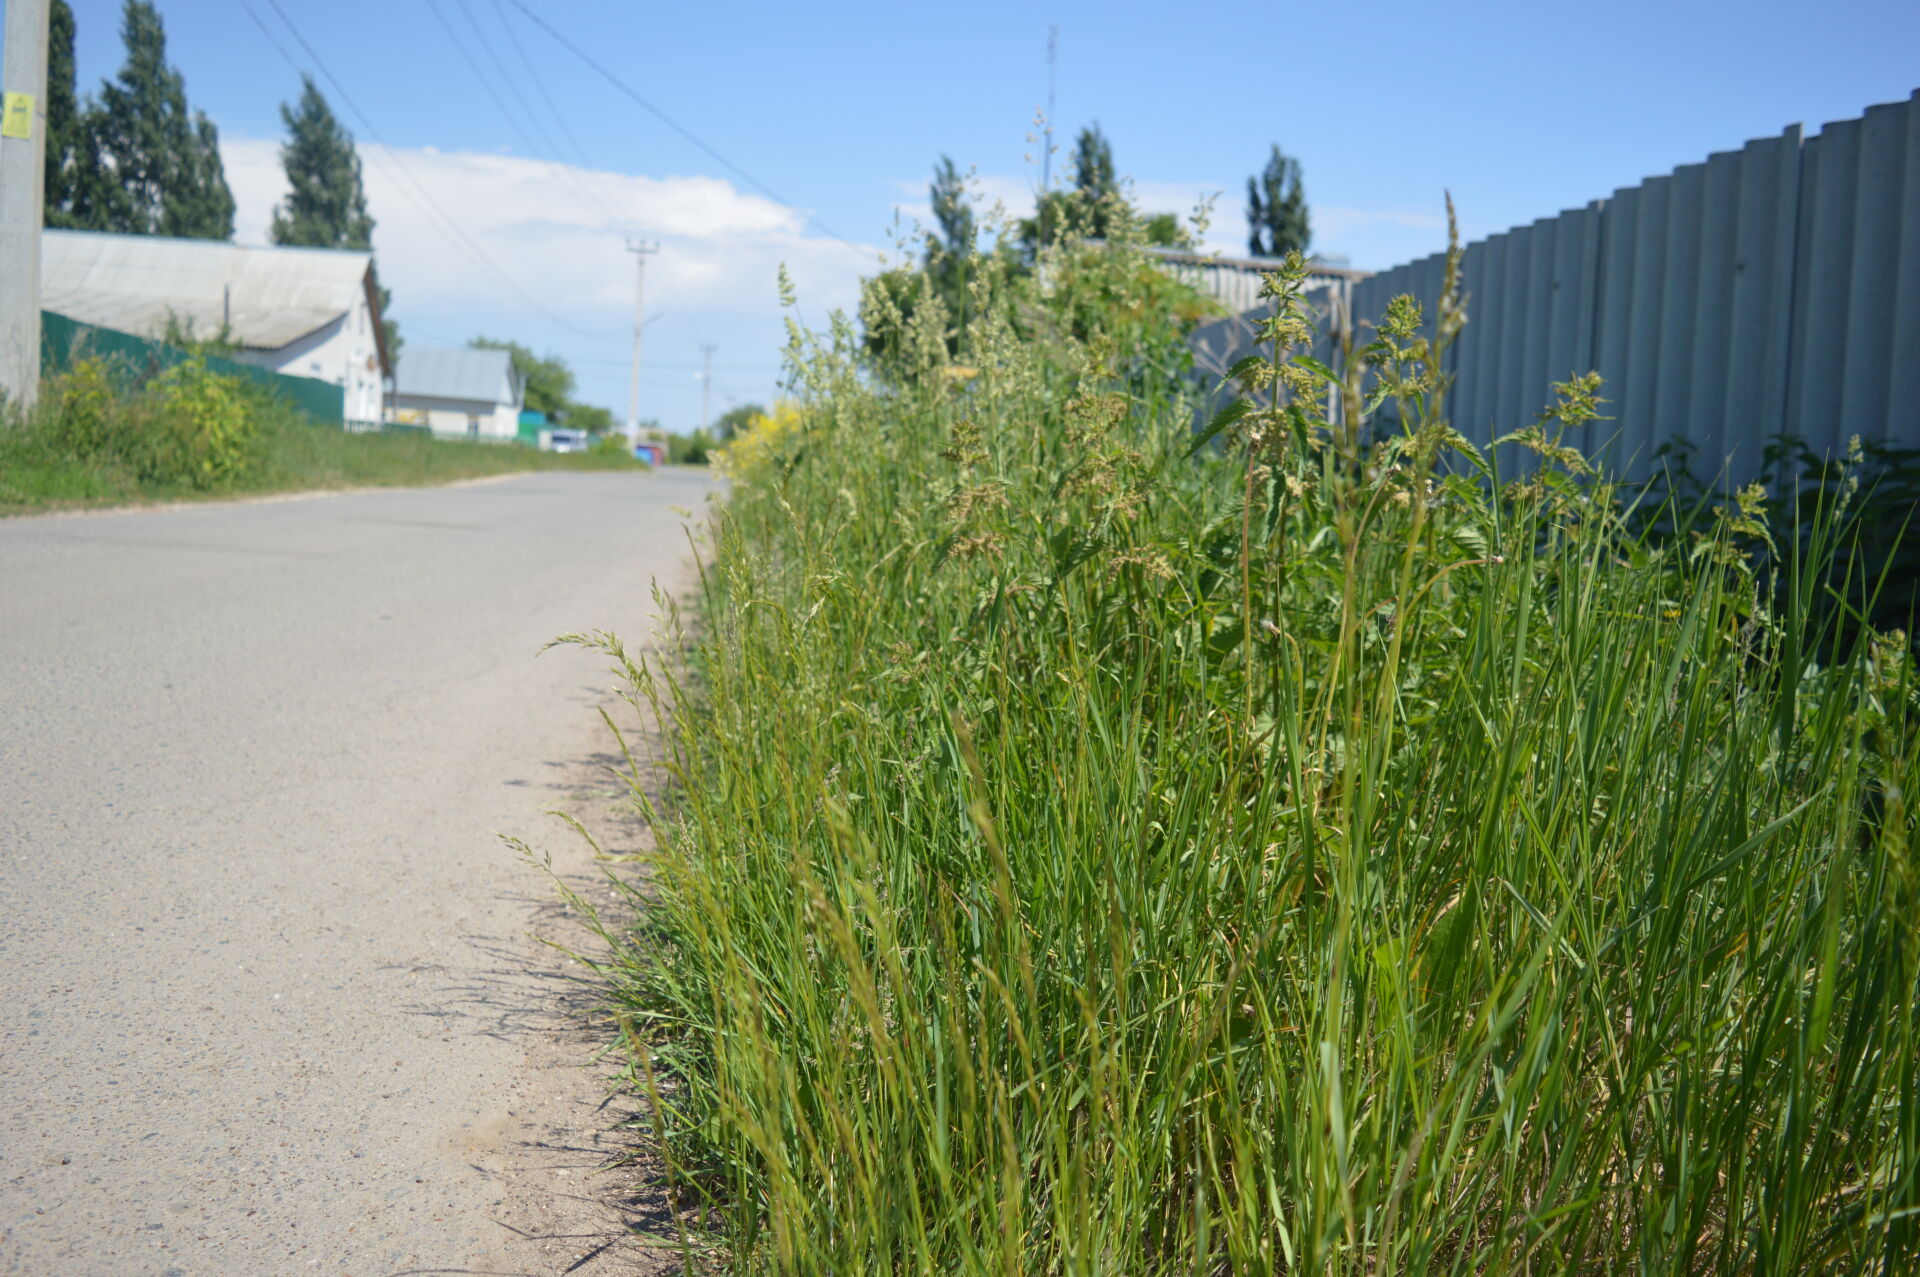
[1903, 383]
[1773, 289]
[1762, 297]
[1823, 272]
[1867, 374]
[1612, 329]
[1705, 414]
[1638, 402]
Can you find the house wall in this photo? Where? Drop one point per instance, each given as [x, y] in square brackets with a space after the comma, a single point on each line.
[475, 418]
[345, 353]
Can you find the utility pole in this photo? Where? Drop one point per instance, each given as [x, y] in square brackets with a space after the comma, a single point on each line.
[641, 250]
[23, 160]
[706, 386]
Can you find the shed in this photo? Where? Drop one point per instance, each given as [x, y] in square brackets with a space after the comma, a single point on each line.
[306, 312]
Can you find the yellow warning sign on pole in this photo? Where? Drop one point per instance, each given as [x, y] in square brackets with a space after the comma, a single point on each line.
[18, 120]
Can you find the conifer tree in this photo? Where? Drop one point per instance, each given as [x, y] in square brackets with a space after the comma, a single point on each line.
[162, 173]
[949, 257]
[1093, 180]
[1277, 209]
[64, 122]
[326, 204]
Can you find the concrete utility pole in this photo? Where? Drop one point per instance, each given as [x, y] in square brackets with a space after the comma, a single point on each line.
[23, 161]
[706, 385]
[641, 250]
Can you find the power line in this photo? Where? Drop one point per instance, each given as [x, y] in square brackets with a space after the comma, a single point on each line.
[553, 109]
[683, 130]
[473, 250]
[541, 148]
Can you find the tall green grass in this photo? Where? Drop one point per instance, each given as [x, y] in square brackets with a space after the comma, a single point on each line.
[1313, 852]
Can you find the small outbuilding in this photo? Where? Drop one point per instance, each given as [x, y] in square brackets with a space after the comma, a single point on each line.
[459, 391]
[304, 312]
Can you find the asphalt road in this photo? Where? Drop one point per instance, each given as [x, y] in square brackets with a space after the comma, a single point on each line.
[256, 1000]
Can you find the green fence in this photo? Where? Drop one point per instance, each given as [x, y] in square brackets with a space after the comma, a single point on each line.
[63, 340]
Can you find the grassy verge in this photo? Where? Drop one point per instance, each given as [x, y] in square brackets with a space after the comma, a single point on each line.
[1315, 852]
[97, 440]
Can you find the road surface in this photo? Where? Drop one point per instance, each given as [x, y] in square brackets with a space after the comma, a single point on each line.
[254, 1012]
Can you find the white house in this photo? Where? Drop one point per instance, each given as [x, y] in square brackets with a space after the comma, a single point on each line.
[458, 391]
[305, 312]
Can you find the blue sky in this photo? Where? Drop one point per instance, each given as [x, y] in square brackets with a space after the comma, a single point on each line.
[1521, 109]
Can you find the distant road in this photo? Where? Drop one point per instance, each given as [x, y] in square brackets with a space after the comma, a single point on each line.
[252, 758]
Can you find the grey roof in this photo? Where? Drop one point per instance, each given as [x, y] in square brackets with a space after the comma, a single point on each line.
[444, 372]
[268, 297]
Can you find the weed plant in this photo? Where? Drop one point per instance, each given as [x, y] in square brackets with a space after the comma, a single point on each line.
[1095, 850]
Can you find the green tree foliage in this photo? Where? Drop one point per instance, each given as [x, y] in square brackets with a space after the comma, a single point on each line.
[950, 254]
[733, 420]
[326, 205]
[1093, 207]
[63, 117]
[1277, 209]
[590, 417]
[1094, 184]
[143, 163]
[1163, 230]
[952, 210]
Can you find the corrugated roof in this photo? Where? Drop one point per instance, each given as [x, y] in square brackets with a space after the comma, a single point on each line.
[443, 372]
[268, 297]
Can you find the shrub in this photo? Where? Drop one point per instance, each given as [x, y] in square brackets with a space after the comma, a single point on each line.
[203, 424]
[84, 411]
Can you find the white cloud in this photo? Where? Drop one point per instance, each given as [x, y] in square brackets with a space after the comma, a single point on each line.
[559, 233]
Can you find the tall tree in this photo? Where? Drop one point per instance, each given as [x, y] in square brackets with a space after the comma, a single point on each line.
[1277, 209]
[326, 205]
[64, 122]
[1093, 180]
[163, 160]
[951, 209]
[949, 259]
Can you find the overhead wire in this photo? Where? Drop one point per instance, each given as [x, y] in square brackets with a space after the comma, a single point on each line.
[685, 132]
[425, 202]
[539, 148]
[587, 166]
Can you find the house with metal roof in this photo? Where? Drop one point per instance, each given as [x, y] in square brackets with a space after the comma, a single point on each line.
[476, 394]
[304, 312]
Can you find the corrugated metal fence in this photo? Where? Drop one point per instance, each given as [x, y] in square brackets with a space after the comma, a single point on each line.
[63, 340]
[1769, 290]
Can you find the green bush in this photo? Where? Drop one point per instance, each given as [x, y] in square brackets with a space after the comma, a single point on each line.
[85, 412]
[1095, 851]
[611, 445]
[202, 423]
[690, 449]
